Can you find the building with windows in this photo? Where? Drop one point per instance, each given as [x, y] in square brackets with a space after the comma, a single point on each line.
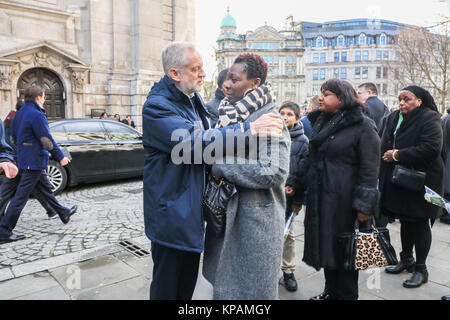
[354, 50]
[282, 49]
[89, 55]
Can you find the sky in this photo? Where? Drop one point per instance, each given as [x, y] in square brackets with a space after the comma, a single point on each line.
[251, 14]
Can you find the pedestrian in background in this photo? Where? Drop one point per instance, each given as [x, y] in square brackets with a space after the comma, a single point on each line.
[313, 105]
[375, 108]
[412, 137]
[104, 115]
[446, 155]
[245, 263]
[31, 135]
[213, 105]
[9, 118]
[344, 157]
[117, 117]
[173, 191]
[128, 121]
[290, 112]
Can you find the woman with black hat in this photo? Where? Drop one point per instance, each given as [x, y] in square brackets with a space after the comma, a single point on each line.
[412, 137]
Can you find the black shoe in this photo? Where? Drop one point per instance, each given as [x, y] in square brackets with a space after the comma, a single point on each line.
[406, 263]
[52, 214]
[13, 237]
[323, 296]
[289, 281]
[419, 277]
[445, 298]
[66, 218]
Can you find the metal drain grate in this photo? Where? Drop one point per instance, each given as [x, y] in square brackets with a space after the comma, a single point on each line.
[134, 249]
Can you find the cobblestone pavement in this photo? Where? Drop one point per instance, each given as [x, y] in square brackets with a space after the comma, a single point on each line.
[107, 213]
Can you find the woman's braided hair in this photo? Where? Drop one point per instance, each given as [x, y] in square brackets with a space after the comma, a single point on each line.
[254, 65]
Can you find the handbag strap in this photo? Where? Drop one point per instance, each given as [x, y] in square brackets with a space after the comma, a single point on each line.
[372, 225]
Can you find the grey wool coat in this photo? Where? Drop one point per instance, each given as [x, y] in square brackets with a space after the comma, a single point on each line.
[245, 263]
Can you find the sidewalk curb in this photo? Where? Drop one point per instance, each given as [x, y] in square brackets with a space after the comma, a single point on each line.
[55, 262]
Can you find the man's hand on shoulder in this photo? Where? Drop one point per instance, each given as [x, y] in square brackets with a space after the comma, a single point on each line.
[268, 125]
[9, 168]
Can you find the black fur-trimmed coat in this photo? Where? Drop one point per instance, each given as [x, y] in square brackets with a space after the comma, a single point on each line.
[344, 158]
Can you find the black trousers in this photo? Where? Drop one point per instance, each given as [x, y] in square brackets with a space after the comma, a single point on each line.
[175, 273]
[8, 190]
[341, 284]
[30, 181]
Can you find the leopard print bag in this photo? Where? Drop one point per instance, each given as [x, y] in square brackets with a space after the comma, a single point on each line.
[361, 251]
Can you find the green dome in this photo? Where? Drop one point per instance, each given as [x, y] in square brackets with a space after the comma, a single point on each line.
[228, 21]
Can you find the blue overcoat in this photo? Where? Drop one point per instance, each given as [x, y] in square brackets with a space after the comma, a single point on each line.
[28, 128]
[173, 191]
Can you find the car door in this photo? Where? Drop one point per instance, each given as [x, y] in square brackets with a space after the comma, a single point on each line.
[91, 150]
[129, 160]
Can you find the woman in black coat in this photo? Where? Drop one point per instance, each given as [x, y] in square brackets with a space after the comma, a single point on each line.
[344, 158]
[412, 137]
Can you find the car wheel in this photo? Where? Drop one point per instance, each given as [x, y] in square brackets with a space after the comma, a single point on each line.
[57, 176]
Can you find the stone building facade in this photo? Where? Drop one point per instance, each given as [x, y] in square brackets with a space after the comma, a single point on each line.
[89, 55]
[282, 49]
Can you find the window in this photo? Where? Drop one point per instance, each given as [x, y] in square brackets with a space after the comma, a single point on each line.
[290, 59]
[275, 45]
[315, 57]
[316, 88]
[343, 73]
[383, 39]
[333, 42]
[323, 57]
[357, 73]
[358, 56]
[385, 54]
[365, 72]
[378, 72]
[275, 59]
[120, 132]
[385, 88]
[341, 40]
[269, 59]
[344, 56]
[255, 45]
[378, 54]
[336, 73]
[316, 74]
[58, 133]
[385, 73]
[365, 55]
[322, 74]
[319, 42]
[336, 56]
[369, 40]
[312, 43]
[325, 43]
[362, 39]
[85, 130]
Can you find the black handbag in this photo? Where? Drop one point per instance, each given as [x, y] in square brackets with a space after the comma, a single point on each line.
[408, 178]
[215, 201]
[361, 251]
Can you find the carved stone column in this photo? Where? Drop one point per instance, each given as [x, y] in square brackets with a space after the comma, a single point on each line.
[78, 76]
[6, 74]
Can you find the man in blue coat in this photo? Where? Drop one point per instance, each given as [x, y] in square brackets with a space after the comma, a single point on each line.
[31, 135]
[172, 189]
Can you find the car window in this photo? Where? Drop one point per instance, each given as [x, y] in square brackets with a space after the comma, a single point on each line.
[58, 133]
[84, 131]
[120, 132]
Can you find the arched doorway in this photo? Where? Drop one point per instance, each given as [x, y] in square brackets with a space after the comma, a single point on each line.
[54, 90]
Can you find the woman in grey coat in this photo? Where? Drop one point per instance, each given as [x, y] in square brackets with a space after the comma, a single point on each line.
[245, 263]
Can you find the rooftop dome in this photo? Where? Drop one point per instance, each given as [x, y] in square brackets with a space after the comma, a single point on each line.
[228, 21]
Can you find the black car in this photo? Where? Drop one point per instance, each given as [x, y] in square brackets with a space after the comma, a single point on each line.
[99, 150]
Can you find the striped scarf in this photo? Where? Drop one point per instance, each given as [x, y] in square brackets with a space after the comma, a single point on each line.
[239, 112]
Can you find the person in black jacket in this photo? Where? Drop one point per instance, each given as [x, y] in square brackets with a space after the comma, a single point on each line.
[412, 137]
[213, 106]
[445, 152]
[376, 109]
[290, 112]
[344, 159]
